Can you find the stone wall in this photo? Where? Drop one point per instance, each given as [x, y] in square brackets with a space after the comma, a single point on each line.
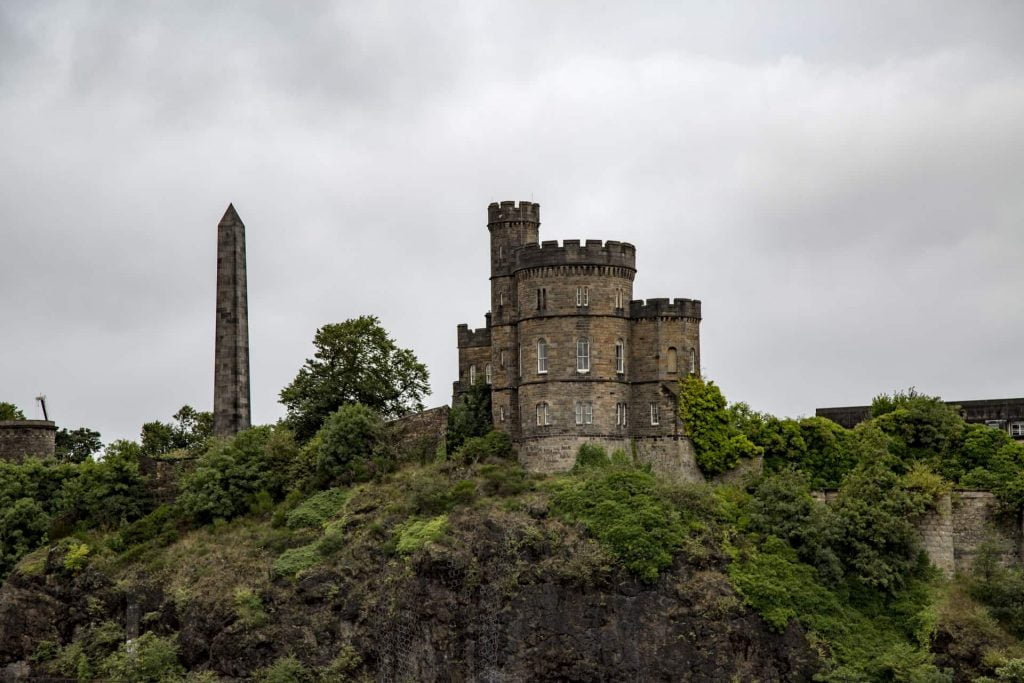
[20, 439]
[954, 532]
[164, 474]
[419, 436]
[977, 519]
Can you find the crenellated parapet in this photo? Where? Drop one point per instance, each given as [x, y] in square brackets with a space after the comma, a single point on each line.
[513, 212]
[664, 308]
[469, 339]
[573, 252]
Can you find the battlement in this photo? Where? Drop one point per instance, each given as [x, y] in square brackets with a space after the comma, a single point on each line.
[572, 252]
[510, 212]
[473, 338]
[664, 308]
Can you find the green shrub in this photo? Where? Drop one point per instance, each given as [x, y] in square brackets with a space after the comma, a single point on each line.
[416, 533]
[494, 444]
[591, 455]
[350, 440]
[317, 509]
[148, 658]
[285, 670]
[469, 417]
[248, 606]
[161, 522]
[295, 560]
[717, 441]
[76, 556]
[504, 479]
[621, 508]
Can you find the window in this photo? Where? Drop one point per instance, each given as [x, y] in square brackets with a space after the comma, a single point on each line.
[501, 252]
[620, 414]
[501, 358]
[584, 413]
[620, 357]
[501, 413]
[542, 357]
[488, 375]
[618, 298]
[583, 296]
[693, 361]
[472, 374]
[542, 299]
[519, 366]
[583, 355]
[1017, 429]
[501, 298]
[673, 360]
[655, 414]
[543, 417]
[998, 424]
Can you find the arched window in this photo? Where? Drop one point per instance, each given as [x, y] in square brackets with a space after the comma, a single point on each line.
[488, 373]
[620, 356]
[582, 355]
[693, 361]
[542, 356]
[584, 413]
[673, 360]
[543, 417]
[472, 374]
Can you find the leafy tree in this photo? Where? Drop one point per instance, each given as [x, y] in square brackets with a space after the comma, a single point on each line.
[231, 475]
[923, 427]
[470, 416]
[356, 361]
[350, 441]
[106, 493]
[77, 445]
[189, 431]
[23, 527]
[718, 442]
[9, 411]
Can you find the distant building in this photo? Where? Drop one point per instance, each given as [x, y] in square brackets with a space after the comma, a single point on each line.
[569, 357]
[1002, 413]
[21, 439]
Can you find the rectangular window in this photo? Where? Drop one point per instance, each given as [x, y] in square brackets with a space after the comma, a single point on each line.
[488, 373]
[655, 414]
[583, 296]
[501, 413]
[501, 358]
[472, 374]
[620, 414]
[519, 366]
[1017, 429]
[620, 357]
[542, 357]
[584, 413]
[543, 418]
[583, 355]
[618, 298]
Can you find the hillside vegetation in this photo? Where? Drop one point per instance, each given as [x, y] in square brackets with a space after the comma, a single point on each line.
[348, 556]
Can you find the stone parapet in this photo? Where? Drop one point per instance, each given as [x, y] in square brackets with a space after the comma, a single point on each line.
[21, 439]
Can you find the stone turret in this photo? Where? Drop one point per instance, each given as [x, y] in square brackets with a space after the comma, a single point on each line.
[231, 412]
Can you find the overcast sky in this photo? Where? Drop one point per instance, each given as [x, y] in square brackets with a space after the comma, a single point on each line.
[841, 185]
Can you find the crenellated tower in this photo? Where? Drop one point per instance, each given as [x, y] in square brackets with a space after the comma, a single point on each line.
[570, 357]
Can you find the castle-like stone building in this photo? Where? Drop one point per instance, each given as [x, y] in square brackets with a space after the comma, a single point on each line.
[570, 357]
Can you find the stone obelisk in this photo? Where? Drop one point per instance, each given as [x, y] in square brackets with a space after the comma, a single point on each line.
[231, 363]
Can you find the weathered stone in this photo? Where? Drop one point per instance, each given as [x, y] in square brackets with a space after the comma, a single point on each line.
[543, 293]
[231, 403]
[20, 439]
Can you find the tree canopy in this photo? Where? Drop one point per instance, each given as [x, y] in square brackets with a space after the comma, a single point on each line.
[9, 411]
[356, 361]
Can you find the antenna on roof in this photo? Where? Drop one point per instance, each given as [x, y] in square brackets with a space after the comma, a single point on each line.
[41, 398]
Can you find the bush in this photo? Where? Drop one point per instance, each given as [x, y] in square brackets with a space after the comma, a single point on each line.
[148, 658]
[317, 509]
[285, 670]
[350, 440]
[494, 444]
[469, 417]
[295, 560]
[416, 533]
[718, 442]
[621, 508]
[591, 455]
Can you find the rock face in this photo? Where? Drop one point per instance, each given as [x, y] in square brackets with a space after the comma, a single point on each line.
[502, 599]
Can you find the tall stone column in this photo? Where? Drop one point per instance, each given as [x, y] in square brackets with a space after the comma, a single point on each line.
[231, 363]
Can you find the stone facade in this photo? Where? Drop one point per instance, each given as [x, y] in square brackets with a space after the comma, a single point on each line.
[570, 357]
[1001, 413]
[231, 412]
[20, 439]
